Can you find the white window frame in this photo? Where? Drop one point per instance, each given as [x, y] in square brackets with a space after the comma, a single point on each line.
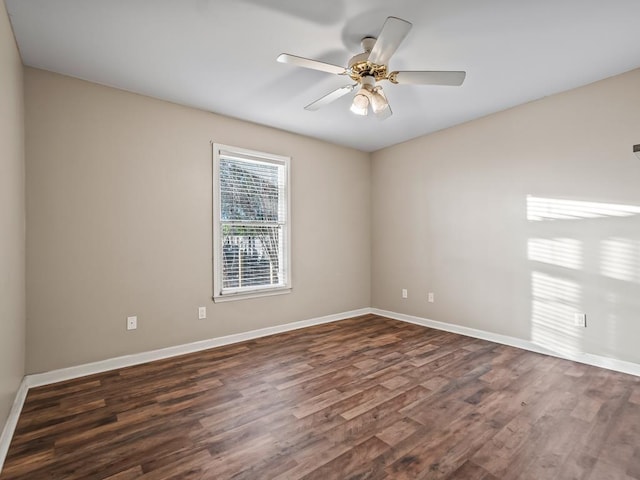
[223, 295]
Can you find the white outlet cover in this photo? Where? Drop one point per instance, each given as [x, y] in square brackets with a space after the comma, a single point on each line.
[580, 320]
[132, 323]
[404, 293]
[202, 313]
[430, 297]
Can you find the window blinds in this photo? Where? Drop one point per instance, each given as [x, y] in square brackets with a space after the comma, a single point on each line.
[253, 216]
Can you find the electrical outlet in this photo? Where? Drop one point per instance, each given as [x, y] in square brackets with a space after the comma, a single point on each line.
[430, 297]
[405, 294]
[202, 313]
[132, 323]
[580, 319]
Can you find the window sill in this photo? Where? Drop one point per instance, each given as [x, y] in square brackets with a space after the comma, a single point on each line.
[230, 297]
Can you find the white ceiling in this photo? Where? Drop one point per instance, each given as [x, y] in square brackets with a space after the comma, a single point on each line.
[220, 55]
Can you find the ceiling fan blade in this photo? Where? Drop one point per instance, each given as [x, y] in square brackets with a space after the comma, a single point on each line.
[312, 64]
[454, 79]
[330, 97]
[393, 32]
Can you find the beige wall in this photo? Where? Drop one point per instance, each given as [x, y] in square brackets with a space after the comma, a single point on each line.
[468, 213]
[119, 223]
[12, 219]
[119, 202]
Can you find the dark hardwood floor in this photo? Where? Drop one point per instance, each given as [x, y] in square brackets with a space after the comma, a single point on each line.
[361, 398]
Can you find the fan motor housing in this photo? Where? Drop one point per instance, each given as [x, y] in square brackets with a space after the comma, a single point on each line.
[367, 69]
[360, 66]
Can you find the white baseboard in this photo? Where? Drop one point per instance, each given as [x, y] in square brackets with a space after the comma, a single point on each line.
[54, 376]
[12, 420]
[586, 358]
[40, 379]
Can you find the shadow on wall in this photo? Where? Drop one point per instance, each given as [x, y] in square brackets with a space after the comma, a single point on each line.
[580, 252]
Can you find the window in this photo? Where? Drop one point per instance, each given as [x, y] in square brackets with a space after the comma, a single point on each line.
[251, 250]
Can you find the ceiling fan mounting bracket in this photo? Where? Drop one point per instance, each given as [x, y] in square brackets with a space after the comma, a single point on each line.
[368, 43]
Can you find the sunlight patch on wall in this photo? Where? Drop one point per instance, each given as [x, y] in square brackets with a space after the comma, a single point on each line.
[550, 288]
[620, 259]
[554, 302]
[563, 252]
[539, 209]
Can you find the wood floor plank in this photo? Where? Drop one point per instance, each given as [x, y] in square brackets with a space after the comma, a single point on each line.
[470, 471]
[128, 474]
[367, 397]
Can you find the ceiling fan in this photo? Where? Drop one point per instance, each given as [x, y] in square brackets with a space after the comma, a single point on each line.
[370, 67]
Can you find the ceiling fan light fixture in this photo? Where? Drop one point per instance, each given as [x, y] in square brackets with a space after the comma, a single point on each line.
[360, 104]
[378, 101]
[371, 66]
